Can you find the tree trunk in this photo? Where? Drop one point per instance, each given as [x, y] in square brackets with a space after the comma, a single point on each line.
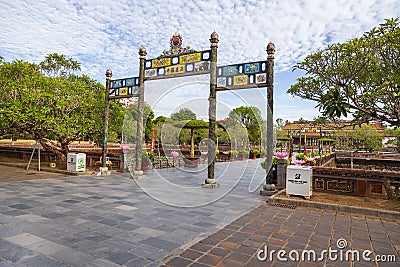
[54, 147]
[391, 193]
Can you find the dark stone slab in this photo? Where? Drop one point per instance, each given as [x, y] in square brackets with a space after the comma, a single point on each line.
[119, 257]
[20, 206]
[41, 260]
[159, 243]
[15, 212]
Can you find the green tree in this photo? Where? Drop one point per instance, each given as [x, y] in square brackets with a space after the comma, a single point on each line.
[199, 128]
[249, 118]
[58, 66]
[183, 114]
[130, 123]
[238, 135]
[360, 76]
[394, 134]
[56, 110]
[362, 137]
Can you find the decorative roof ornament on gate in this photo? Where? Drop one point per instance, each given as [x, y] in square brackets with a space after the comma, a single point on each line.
[176, 47]
[177, 61]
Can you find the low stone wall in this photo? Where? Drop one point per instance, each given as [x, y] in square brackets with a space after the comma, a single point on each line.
[353, 181]
[383, 164]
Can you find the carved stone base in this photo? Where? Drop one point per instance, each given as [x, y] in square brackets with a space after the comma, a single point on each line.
[210, 183]
[268, 190]
[137, 173]
[104, 171]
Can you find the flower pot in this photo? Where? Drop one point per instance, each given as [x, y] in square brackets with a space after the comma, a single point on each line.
[145, 165]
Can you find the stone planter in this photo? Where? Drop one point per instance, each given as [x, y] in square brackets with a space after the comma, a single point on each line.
[191, 162]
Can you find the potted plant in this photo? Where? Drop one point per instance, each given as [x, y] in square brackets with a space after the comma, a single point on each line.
[300, 159]
[233, 154]
[147, 157]
[243, 154]
[254, 152]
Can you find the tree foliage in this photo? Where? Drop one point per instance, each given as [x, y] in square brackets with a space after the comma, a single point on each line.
[130, 123]
[394, 141]
[249, 118]
[183, 114]
[360, 76]
[53, 104]
[362, 137]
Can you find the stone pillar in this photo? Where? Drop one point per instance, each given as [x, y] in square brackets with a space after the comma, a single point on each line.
[140, 129]
[104, 169]
[281, 173]
[212, 110]
[270, 116]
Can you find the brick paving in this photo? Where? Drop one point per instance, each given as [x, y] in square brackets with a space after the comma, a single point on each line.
[298, 229]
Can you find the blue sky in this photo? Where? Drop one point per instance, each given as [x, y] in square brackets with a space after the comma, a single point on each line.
[107, 34]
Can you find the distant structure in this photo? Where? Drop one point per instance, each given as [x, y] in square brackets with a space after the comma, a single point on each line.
[309, 133]
[127, 102]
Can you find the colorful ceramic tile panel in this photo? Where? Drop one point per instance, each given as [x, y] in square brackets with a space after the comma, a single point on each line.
[182, 65]
[240, 80]
[252, 68]
[244, 75]
[123, 91]
[230, 70]
[116, 84]
[161, 62]
[123, 88]
[188, 58]
[176, 69]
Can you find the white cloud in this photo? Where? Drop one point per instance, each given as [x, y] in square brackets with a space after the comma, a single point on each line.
[107, 34]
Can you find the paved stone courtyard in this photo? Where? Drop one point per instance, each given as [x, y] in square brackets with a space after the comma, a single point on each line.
[167, 218]
[104, 221]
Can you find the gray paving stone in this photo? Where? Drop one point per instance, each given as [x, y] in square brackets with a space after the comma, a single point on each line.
[24, 239]
[20, 206]
[8, 230]
[15, 212]
[148, 252]
[119, 257]
[14, 253]
[41, 260]
[5, 263]
[72, 257]
[148, 231]
[46, 247]
[139, 261]
[159, 243]
[101, 263]
[96, 237]
[99, 221]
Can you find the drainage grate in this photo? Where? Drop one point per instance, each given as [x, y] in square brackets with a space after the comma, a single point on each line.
[282, 205]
